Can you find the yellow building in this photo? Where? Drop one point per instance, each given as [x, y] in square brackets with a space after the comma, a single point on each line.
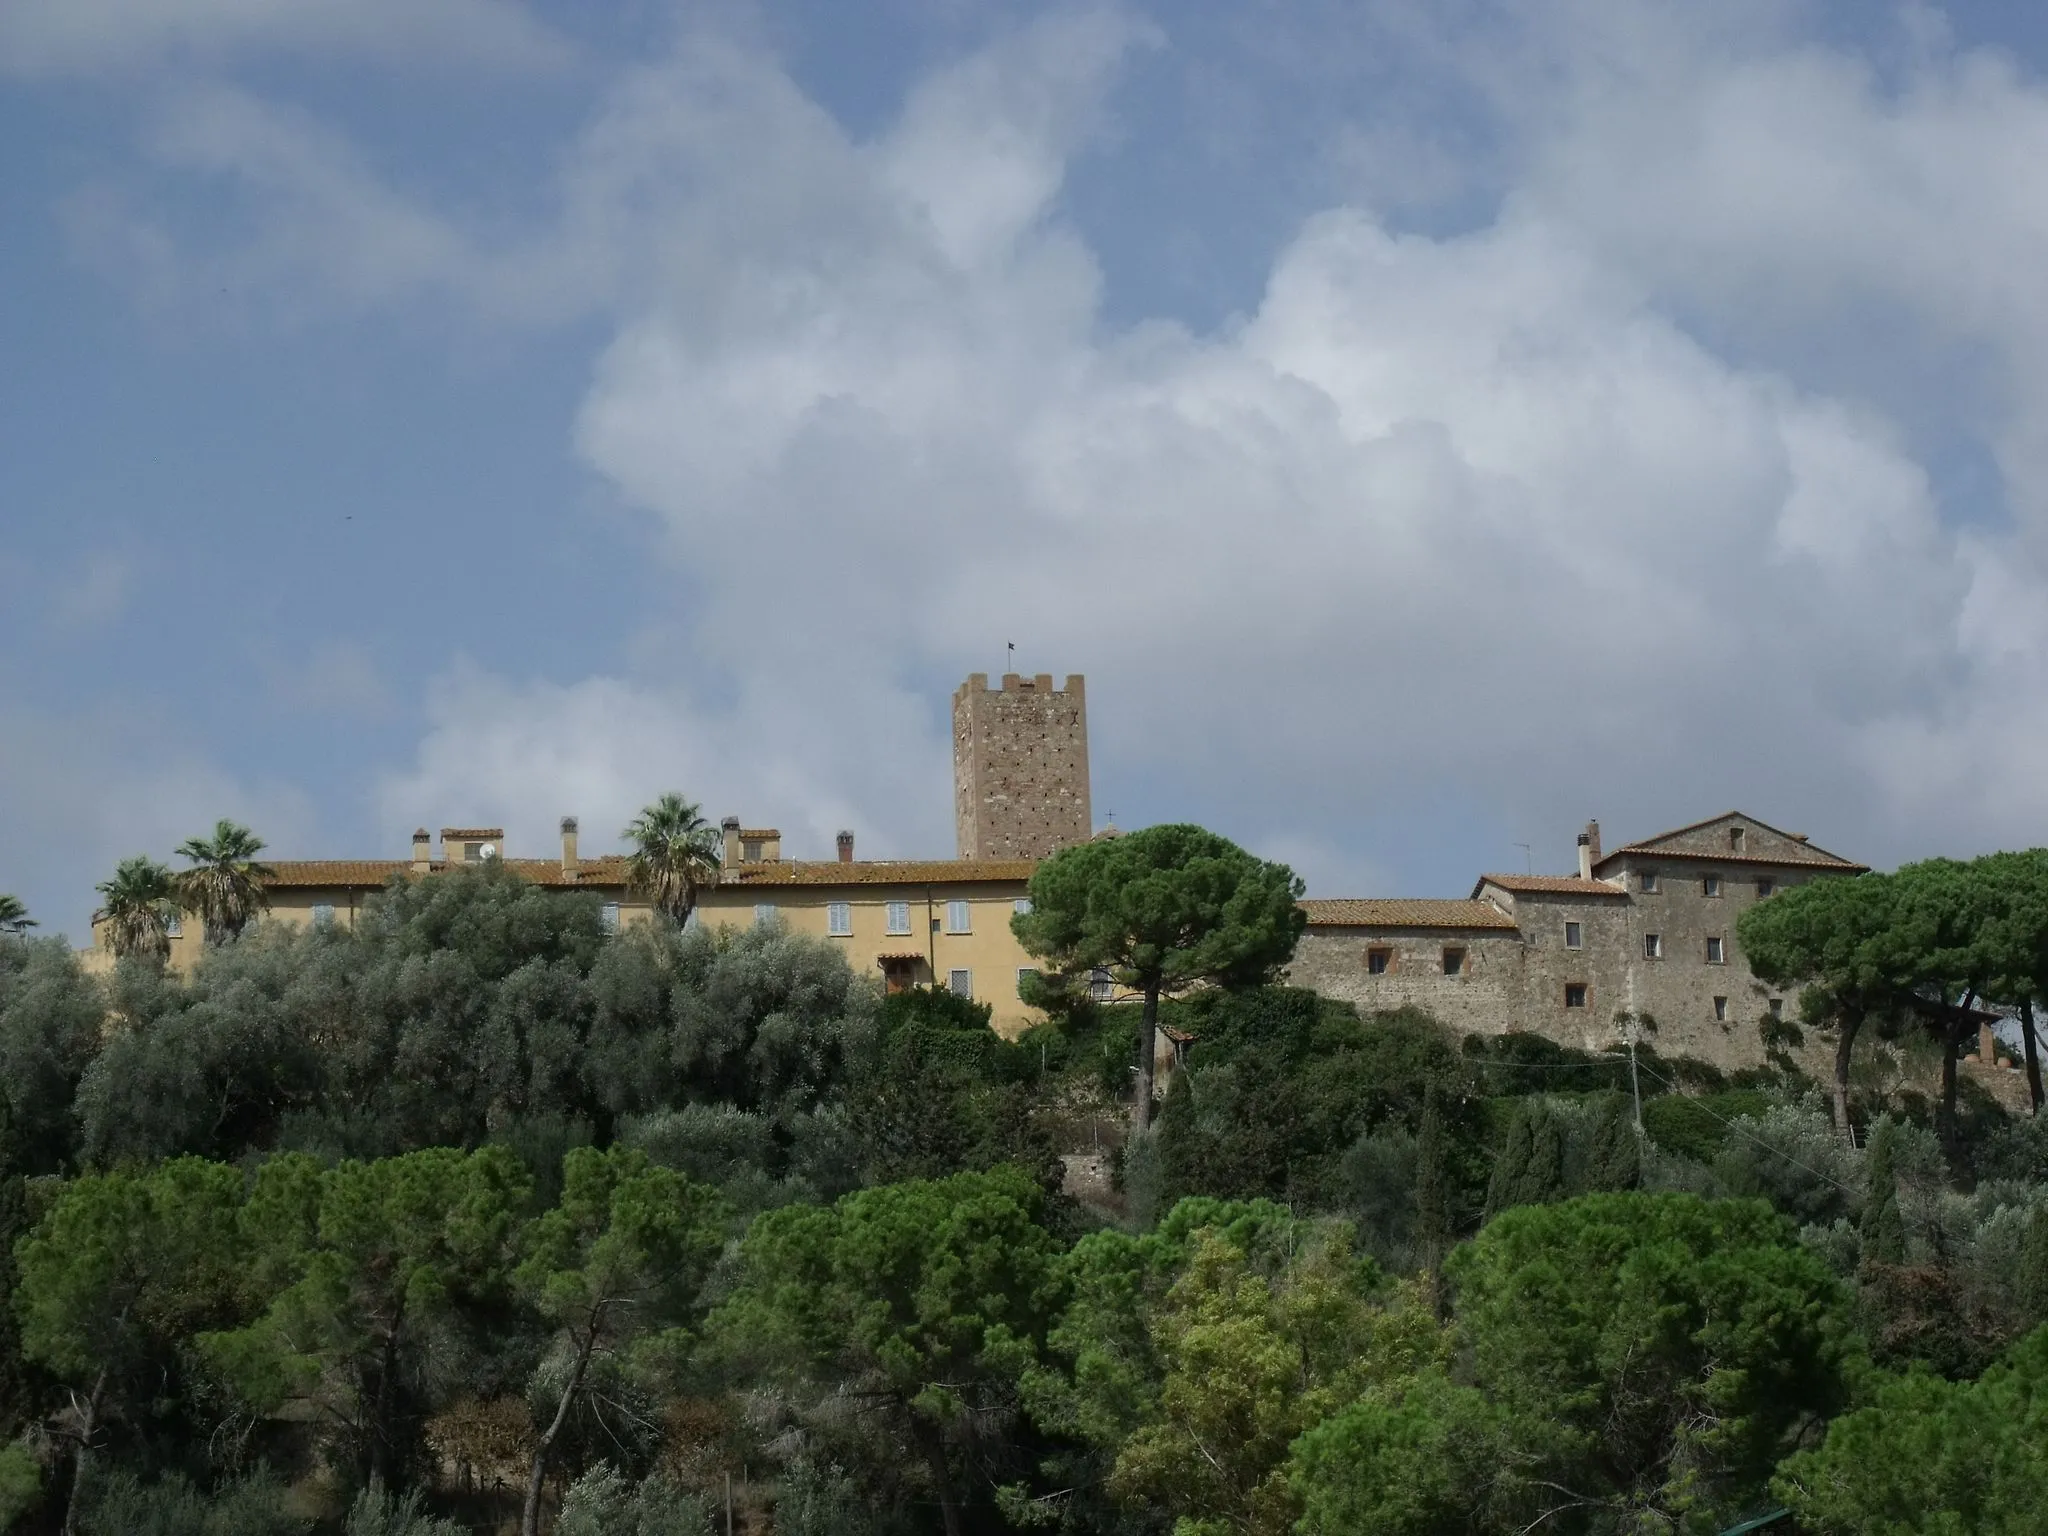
[904, 922]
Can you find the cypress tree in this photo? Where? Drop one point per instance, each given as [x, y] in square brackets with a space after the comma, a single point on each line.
[1511, 1167]
[1883, 1228]
[1614, 1161]
[1432, 1199]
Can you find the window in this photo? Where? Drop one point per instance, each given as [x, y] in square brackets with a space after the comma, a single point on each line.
[174, 926]
[899, 917]
[1575, 994]
[1021, 906]
[611, 916]
[1647, 881]
[1101, 986]
[1653, 946]
[1574, 936]
[764, 911]
[1764, 886]
[839, 919]
[1377, 961]
[1454, 960]
[1777, 1007]
[1025, 973]
[1721, 1009]
[960, 983]
[1735, 839]
[1714, 954]
[957, 920]
[1710, 885]
[323, 914]
[750, 851]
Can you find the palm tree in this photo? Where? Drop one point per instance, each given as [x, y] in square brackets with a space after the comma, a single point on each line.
[137, 907]
[14, 918]
[225, 883]
[676, 852]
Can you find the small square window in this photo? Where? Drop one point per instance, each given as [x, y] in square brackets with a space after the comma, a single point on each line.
[1764, 886]
[839, 919]
[1714, 952]
[1647, 881]
[763, 911]
[1653, 946]
[1101, 986]
[1710, 885]
[1721, 1009]
[1377, 961]
[323, 914]
[957, 918]
[1735, 839]
[610, 916]
[1454, 960]
[1575, 994]
[899, 917]
[1574, 936]
[1021, 906]
[960, 983]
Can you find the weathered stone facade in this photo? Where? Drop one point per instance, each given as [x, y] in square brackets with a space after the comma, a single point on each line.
[1647, 932]
[1020, 767]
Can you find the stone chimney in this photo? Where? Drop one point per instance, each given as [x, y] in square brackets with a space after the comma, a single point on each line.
[569, 861]
[422, 851]
[731, 828]
[1593, 839]
[846, 847]
[1585, 856]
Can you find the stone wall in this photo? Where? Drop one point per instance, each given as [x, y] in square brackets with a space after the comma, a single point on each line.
[1483, 998]
[1020, 767]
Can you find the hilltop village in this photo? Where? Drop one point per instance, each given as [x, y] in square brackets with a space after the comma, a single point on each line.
[1641, 935]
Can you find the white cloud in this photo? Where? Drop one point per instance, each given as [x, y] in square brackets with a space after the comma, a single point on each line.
[87, 789]
[1488, 514]
[90, 37]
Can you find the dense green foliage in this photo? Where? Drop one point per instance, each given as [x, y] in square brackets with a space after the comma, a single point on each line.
[478, 1216]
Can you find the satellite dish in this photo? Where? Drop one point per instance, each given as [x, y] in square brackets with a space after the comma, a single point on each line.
[488, 851]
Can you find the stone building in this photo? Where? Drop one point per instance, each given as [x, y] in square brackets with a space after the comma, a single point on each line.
[1020, 767]
[1646, 932]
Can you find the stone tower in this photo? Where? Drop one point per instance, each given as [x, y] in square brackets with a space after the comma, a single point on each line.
[1020, 767]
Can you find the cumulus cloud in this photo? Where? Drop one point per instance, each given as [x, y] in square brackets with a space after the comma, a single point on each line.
[1534, 514]
[97, 37]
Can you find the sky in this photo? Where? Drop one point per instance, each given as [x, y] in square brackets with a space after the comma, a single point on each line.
[1427, 424]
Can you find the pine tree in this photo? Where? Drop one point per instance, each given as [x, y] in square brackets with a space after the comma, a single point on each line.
[1884, 1229]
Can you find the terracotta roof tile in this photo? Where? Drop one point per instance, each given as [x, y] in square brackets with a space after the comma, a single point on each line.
[1406, 913]
[1549, 885]
[608, 871]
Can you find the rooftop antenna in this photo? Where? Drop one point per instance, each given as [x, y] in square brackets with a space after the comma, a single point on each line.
[1528, 859]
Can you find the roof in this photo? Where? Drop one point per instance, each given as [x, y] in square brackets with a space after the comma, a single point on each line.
[1809, 856]
[1549, 885]
[1406, 914]
[775, 832]
[609, 871]
[497, 832]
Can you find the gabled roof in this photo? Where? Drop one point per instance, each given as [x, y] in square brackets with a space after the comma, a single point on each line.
[1405, 913]
[1784, 849]
[1548, 885]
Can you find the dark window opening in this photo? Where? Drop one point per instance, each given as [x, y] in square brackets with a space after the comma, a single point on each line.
[1454, 961]
[1575, 994]
[1377, 960]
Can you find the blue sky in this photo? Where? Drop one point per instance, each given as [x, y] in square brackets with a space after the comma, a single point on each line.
[1427, 425]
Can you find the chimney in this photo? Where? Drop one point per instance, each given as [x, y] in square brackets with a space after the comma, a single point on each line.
[569, 862]
[422, 852]
[846, 847]
[731, 828]
[1593, 839]
[1585, 855]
